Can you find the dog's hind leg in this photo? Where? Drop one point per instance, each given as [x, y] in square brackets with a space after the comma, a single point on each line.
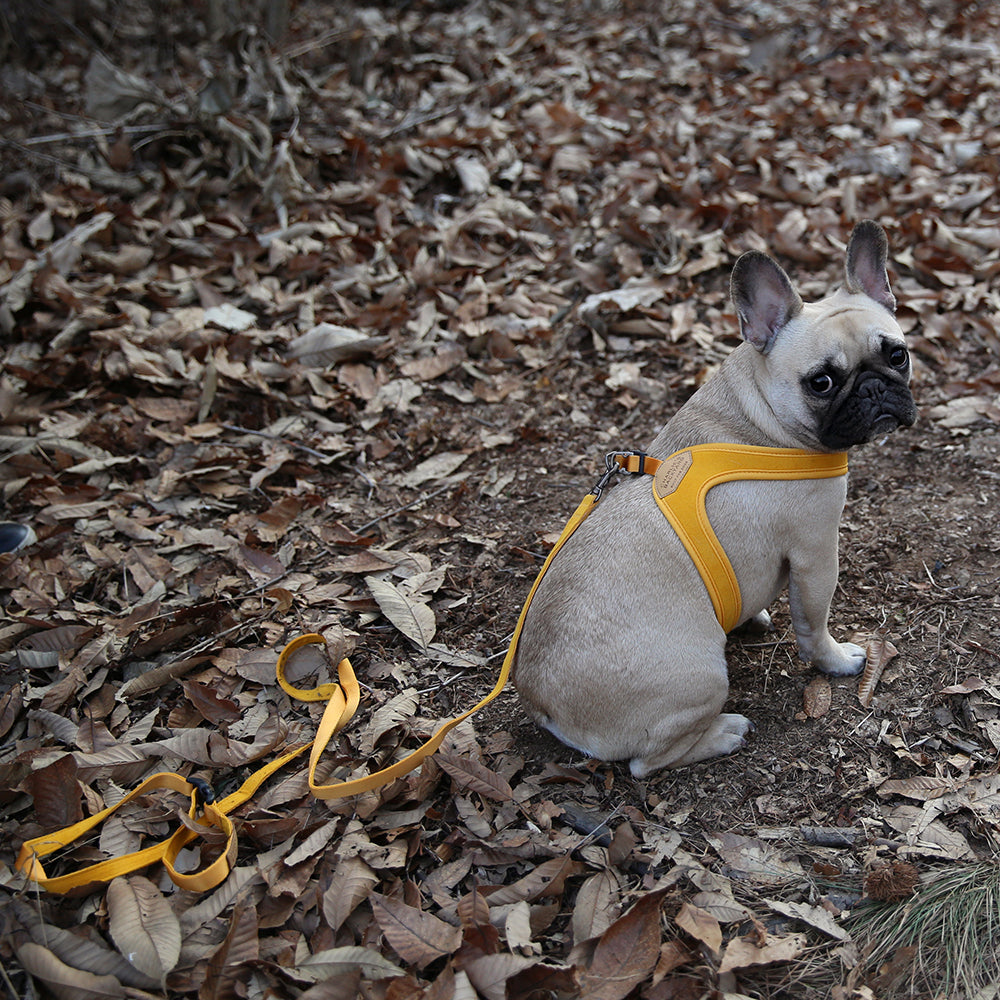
[724, 735]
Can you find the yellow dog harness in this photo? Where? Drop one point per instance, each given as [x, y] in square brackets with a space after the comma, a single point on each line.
[680, 485]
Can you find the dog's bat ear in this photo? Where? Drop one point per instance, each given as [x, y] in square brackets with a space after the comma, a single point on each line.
[867, 252]
[764, 298]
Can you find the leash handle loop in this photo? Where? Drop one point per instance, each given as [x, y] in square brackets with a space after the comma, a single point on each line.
[207, 816]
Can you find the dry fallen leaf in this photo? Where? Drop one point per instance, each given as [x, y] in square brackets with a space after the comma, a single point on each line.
[332, 963]
[701, 925]
[55, 792]
[758, 861]
[927, 837]
[329, 344]
[815, 916]
[470, 774]
[433, 469]
[743, 952]
[489, 975]
[922, 787]
[143, 925]
[240, 946]
[89, 954]
[65, 982]
[673, 954]
[817, 697]
[627, 952]
[877, 654]
[991, 727]
[517, 930]
[477, 929]
[414, 619]
[597, 905]
[415, 936]
[386, 718]
[967, 686]
[350, 885]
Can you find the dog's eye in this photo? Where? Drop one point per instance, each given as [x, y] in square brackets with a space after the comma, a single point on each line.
[822, 384]
[898, 356]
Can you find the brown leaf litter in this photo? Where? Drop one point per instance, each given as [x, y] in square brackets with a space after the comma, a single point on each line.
[329, 336]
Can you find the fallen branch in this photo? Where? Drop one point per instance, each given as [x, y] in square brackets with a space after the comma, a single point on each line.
[820, 836]
[277, 437]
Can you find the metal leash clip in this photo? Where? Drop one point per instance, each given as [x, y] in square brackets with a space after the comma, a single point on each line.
[612, 467]
[203, 794]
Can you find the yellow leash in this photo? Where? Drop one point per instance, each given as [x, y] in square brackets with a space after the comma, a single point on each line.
[210, 820]
[203, 817]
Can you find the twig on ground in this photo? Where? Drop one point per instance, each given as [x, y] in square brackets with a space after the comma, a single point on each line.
[43, 157]
[329, 38]
[982, 648]
[277, 437]
[412, 121]
[503, 652]
[405, 506]
[7, 982]
[443, 684]
[820, 836]
[93, 133]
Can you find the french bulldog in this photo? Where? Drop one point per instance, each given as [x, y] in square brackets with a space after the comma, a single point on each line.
[622, 655]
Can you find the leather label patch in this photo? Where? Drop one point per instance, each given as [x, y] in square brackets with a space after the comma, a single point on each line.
[670, 474]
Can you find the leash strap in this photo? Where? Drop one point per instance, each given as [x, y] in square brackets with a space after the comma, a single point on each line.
[680, 485]
[211, 820]
[330, 725]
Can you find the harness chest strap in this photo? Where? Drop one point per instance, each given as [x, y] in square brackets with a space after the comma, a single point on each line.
[680, 484]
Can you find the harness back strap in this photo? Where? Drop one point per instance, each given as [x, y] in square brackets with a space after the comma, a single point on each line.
[682, 481]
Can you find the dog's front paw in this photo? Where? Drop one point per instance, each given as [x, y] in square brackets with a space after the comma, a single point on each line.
[843, 660]
[736, 725]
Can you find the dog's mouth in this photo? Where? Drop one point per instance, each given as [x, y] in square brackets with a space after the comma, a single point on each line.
[887, 422]
[881, 427]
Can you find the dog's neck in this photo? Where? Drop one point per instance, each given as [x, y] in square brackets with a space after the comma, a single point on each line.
[727, 413]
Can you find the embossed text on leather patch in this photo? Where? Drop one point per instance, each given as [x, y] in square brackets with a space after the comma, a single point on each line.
[670, 474]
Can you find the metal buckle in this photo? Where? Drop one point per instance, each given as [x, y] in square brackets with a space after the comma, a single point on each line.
[612, 467]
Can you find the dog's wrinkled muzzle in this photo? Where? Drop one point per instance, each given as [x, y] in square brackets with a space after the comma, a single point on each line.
[876, 405]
